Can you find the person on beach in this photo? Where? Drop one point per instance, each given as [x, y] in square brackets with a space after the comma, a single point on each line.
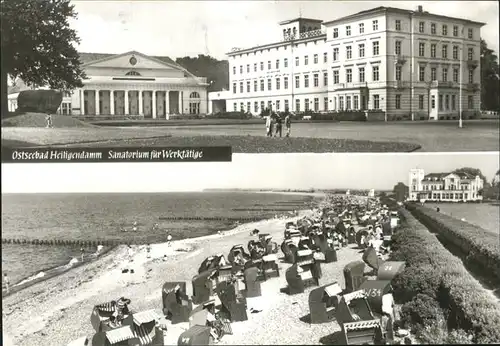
[288, 125]
[148, 249]
[169, 240]
[7, 282]
[130, 253]
[82, 251]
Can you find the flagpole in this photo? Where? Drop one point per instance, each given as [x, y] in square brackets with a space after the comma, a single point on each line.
[460, 88]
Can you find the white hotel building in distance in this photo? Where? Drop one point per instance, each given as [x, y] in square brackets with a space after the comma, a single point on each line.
[404, 63]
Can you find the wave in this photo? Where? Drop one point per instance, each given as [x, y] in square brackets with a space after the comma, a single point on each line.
[38, 275]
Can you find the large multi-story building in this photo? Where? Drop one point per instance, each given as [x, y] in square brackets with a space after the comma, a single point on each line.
[444, 187]
[408, 64]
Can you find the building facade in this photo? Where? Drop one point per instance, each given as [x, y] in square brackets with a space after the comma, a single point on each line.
[134, 84]
[408, 64]
[444, 187]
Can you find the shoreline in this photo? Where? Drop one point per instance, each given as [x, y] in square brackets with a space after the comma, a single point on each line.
[102, 271]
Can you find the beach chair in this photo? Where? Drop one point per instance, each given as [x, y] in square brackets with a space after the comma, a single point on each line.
[325, 246]
[363, 233]
[143, 325]
[323, 302]
[177, 302]
[388, 270]
[207, 314]
[196, 335]
[351, 236]
[123, 336]
[270, 246]
[224, 273]
[102, 315]
[256, 249]
[203, 286]
[238, 255]
[270, 267]
[374, 291]
[233, 302]
[252, 283]
[212, 262]
[354, 275]
[304, 273]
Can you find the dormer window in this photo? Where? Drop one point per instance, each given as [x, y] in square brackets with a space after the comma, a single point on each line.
[132, 73]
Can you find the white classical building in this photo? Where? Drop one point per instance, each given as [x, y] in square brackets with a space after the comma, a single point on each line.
[406, 63]
[135, 84]
[445, 187]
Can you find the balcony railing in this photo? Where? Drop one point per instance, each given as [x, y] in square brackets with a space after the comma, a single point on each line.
[311, 33]
[472, 63]
[473, 87]
[354, 85]
[441, 84]
[401, 59]
[399, 84]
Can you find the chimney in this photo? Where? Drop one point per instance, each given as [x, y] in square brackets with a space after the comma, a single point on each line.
[419, 8]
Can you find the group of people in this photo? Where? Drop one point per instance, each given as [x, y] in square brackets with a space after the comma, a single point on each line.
[274, 121]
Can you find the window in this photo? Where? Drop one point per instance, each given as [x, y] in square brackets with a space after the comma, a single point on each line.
[444, 30]
[361, 49]
[285, 82]
[297, 105]
[361, 74]
[306, 60]
[277, 63]
[262, 105]
[285, 62]
[306, 81]
[421, 27]
[270, 104]
[421, 49]
[444, 51]
[269, 65]
[348, 30]
[455, 52]
[471, 76]
[470, 53]
[241, 87]
[375, 73]
[356, 102]
[248, 68]
[348, 52]
[297, 81]
[440, 102]
[336, 77]
[316, 80]
[375, 25]
[348, 75]
[433, 74]
[286, 105]
[296, 61]
[261, 85]
[135, 73]
[249, 107]
[445, 74]
[397, 47]
[348, 102]
[335, 32]
[248, 86]
[325, 57]
[262, 66]
[398, 72]
[470, 33]
[316, 104]
[421, 73]
[361, 28]
[433, 50]
[375, 47]
[341, 103]
[234, 88]
[234, 69]
[398, 101]
[455, 75]
[255, 85]
[278, 84]
[455, 30]
[325, 103]
[255, 67]
[335, 54]
[256, 107]
[433, 101]
[235, 107]
[376, 101]
[398, 24]
[433, 28]
[315, 58]
[241, 69]
[277, 105]
[269, 84]
[325, 78]
[453, 102]
[420, 101]
[306, 105]
[447, 102]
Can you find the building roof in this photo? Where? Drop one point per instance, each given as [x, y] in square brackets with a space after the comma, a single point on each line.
[300, 18]
[86, 58]
[397, 10]
[461, 175]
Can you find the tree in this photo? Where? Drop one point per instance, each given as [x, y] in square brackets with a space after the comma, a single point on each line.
[216, 71]
[37, 45]
[471, 171]
[401, 191]
[489, 78]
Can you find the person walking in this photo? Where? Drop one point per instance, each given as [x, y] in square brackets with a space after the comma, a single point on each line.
[7, 282]
[288, 125]
[48, 120]
[268, 125]
[148, 249]
[278, 125]
[82, 251]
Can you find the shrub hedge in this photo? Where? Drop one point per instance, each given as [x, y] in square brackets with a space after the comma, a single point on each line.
[482, 247]
[433, 271]
[39, 101]
[422, 311]
[229, 115]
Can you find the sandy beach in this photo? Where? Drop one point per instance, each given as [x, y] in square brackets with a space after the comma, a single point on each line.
[57, 311]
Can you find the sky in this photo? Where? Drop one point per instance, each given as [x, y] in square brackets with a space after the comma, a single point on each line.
[189, 28]
[273, 171]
